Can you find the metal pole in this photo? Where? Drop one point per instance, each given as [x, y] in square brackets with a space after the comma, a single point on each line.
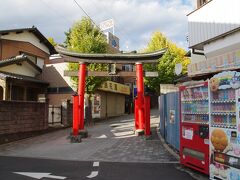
[140, 95]
[106, 106]
[52, 114]
[147, 116]
[81, 91]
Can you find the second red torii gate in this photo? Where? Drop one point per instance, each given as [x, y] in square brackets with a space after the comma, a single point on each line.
[137, 59]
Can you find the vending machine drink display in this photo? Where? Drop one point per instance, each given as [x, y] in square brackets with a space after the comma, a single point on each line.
[225, 126]
[194, 127]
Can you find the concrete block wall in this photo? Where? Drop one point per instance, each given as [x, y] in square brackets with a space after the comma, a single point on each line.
[19, 116]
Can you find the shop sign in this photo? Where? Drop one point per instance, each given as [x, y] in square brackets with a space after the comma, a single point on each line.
[228, 61]
[111, 86]
[106, 24]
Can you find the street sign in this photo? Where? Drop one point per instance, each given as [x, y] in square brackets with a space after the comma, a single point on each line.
[39, 175]
[151, 74]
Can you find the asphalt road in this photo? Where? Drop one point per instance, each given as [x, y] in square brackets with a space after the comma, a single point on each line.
[78, 170]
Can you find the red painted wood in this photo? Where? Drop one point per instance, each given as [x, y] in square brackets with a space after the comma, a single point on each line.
[81, 91]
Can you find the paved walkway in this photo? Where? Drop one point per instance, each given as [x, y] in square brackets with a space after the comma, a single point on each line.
[112, 140]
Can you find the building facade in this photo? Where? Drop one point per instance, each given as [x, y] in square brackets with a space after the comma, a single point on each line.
[23, 53]
[214, 37]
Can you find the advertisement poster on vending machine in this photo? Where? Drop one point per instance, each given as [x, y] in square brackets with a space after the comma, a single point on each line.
[225, 126]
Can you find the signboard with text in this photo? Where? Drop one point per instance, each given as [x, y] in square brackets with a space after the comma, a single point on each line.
[227, 61]
[106, 24]
[111, 86]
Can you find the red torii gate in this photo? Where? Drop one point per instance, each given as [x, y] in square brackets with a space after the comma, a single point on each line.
[142, 103]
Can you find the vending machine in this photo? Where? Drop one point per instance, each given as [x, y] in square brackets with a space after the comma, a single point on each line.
[194, 126]
[225, 126]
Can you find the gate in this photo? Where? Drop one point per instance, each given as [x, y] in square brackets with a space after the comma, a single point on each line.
[54, 115]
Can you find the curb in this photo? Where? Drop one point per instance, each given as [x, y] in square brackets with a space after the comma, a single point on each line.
[166, 146]
[195, 175]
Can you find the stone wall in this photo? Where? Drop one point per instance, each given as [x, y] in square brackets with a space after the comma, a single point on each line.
[19, 116]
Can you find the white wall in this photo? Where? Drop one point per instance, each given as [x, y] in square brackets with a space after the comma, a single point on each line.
[25, 69]
[223, 45]
[195, 58]
[213, 19]
[60, 68]
[40, 62]
[26, 37]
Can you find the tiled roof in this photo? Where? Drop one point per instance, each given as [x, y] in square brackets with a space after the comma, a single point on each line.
[70, 56]
[5, 75]
[18, 59]
[36, 32]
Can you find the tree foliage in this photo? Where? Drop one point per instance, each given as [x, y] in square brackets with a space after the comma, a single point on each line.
[51, 40]
[165, 65]
[84, 37]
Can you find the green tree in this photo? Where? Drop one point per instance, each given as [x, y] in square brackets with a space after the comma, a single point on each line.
[165, 65]
[84, 37]
[67, 41]
[51, 40]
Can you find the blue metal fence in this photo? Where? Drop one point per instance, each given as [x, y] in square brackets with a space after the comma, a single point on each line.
[170, 118]
[162, 105]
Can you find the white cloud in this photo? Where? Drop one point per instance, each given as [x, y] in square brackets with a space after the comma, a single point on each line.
[135, 20]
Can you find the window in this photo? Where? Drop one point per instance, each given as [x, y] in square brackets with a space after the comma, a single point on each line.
[17, 93]
[201, 3]
[65, 90]
[127, 67]
[32, 94]
[1, 93]
[52, 90]
[59, 90]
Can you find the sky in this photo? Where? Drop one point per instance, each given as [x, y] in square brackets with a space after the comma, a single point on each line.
[135, 20]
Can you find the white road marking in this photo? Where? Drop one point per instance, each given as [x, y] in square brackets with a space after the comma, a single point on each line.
[93, 174]
[39, 175]
[102, 136]
[95, 164]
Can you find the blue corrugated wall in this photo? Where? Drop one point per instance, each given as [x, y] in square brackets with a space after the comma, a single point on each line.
[162, 109]
[170, 130]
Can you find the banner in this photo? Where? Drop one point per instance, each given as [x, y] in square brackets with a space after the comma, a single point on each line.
[228, 61]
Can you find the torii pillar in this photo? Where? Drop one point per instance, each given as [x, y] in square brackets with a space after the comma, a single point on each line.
[78, 131]
[81, 92]
[140, 113]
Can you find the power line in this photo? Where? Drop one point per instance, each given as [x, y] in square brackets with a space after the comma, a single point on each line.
[56, 12]
[86, 13]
